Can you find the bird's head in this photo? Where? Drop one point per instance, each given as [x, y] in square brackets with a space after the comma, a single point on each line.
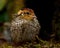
[26, 13]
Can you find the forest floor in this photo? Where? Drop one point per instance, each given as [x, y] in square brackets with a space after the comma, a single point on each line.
[40, 44]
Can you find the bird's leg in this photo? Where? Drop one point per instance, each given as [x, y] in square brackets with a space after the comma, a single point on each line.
[39, 40]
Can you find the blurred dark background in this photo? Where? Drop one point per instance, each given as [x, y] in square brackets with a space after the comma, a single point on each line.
[47, 12]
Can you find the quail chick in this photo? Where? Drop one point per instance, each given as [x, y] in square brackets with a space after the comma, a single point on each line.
[25, 26]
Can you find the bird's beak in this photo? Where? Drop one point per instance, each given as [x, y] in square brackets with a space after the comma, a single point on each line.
[19, 12]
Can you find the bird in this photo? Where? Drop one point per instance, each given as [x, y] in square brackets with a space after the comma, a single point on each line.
[24, 26]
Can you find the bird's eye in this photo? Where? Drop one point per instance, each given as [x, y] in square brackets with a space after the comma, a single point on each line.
[27, 13]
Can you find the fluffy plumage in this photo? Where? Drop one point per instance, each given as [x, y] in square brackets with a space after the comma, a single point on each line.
[25, 26]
